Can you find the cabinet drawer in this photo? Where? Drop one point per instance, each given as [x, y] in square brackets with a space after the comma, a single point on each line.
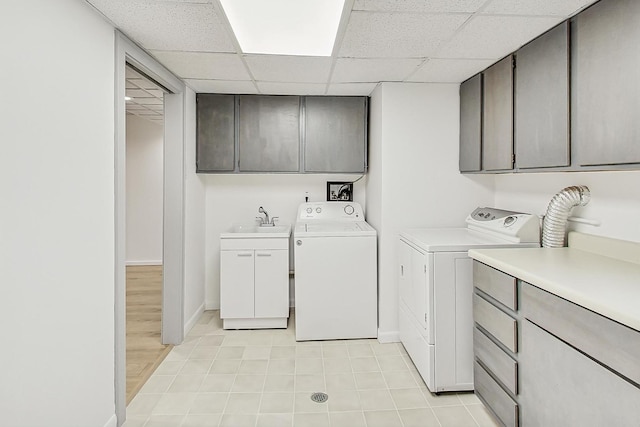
[498, 401]
[615, 345]
[493, 282]
[495, 321]
[503, 367]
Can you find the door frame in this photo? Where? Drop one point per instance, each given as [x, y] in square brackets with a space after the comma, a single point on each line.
[173, 246]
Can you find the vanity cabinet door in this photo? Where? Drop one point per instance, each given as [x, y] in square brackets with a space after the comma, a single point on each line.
[606, 87]
[542, 101]
[269, 137]
[497, 118]
[215, 134]
[471, 124]
[237, 284]
[335, 134]
[271, 283]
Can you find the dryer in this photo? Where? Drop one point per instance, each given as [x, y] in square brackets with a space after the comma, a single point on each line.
[336, 285]
[435, 287]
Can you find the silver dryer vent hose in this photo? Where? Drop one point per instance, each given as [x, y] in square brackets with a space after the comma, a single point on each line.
[554, 225]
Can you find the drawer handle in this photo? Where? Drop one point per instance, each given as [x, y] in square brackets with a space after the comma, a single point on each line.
[245, 255]
[263, 254]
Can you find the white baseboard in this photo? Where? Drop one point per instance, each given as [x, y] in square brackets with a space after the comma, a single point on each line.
[193, 320]
[388, 337]
[113, 421]
[152, 262]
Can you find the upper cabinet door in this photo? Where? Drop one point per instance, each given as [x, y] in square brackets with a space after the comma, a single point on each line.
[215, 133]
[269, 133]
[606, 87]
[471, 124]
[542, 101]
[335, 134]
[497, 119]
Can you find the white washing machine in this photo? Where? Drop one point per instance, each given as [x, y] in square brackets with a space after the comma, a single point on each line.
[436, 287]
[336, 285]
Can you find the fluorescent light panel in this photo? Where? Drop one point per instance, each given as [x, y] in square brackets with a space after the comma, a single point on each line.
[285, 27]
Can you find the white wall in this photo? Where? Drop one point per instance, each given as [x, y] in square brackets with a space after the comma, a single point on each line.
[144, 191]
[235, 199]
[194, 267]
[56, 215]
[615, 198]
[414, 180]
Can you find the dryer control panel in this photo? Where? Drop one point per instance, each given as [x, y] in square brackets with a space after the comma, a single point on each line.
[330, 211]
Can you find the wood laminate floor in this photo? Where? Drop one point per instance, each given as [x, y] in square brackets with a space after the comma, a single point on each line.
[145, 350]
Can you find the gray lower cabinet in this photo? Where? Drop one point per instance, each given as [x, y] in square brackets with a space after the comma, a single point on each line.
[542, 101]
[561, 386]
[497, 117]
[269, 133]
[606, 88]
[335, 134]
[471, 124]
[215, 133]
[573, 367]
[495, 342]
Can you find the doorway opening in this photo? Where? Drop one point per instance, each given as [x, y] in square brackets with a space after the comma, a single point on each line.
[144, 101]
[173, 222]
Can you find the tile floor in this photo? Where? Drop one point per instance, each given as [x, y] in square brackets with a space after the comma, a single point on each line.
[264, 378]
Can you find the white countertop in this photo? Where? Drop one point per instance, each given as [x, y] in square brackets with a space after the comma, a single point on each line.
[605, 285]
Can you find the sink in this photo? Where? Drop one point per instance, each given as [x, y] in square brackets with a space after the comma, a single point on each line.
[252, 231]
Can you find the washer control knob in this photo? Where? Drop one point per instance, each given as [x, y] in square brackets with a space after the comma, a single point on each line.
[309, 210]
[349, 209]
[318, 210]
[299, 242]
[509, 220]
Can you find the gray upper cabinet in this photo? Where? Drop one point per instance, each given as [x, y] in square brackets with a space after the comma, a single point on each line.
[497, 118]
[606, 95]
[471, 124]
[269, 133]
[542, 101]
[335, 134]
[215, 133]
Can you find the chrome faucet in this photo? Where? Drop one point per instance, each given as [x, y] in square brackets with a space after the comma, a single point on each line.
[264, 222]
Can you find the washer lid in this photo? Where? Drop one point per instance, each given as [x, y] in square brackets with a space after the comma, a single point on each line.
[456, 239]
[333, 229]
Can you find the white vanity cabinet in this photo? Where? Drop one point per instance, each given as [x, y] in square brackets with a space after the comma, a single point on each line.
[254, 282]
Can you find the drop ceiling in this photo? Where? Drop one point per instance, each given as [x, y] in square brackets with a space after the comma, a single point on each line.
[443, 41]
[145, 98]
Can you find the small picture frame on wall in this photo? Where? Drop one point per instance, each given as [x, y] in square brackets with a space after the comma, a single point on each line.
[339, 191]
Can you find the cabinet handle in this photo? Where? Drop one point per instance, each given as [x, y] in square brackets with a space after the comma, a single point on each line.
[263, 254]
[245, 255]
[402, 270]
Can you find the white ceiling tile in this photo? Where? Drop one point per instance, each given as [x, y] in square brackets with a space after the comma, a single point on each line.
[295, 69]
[221, 86]
[168, 25]
[373, 70]
[138, 93]
[416, 6]
[130, 73]
[351, 89]
[449, 70]
[275, 88]
[133, 106]
[203, 65]
[493, 37]
[396, 35]
[539, 7]
[148, 101]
